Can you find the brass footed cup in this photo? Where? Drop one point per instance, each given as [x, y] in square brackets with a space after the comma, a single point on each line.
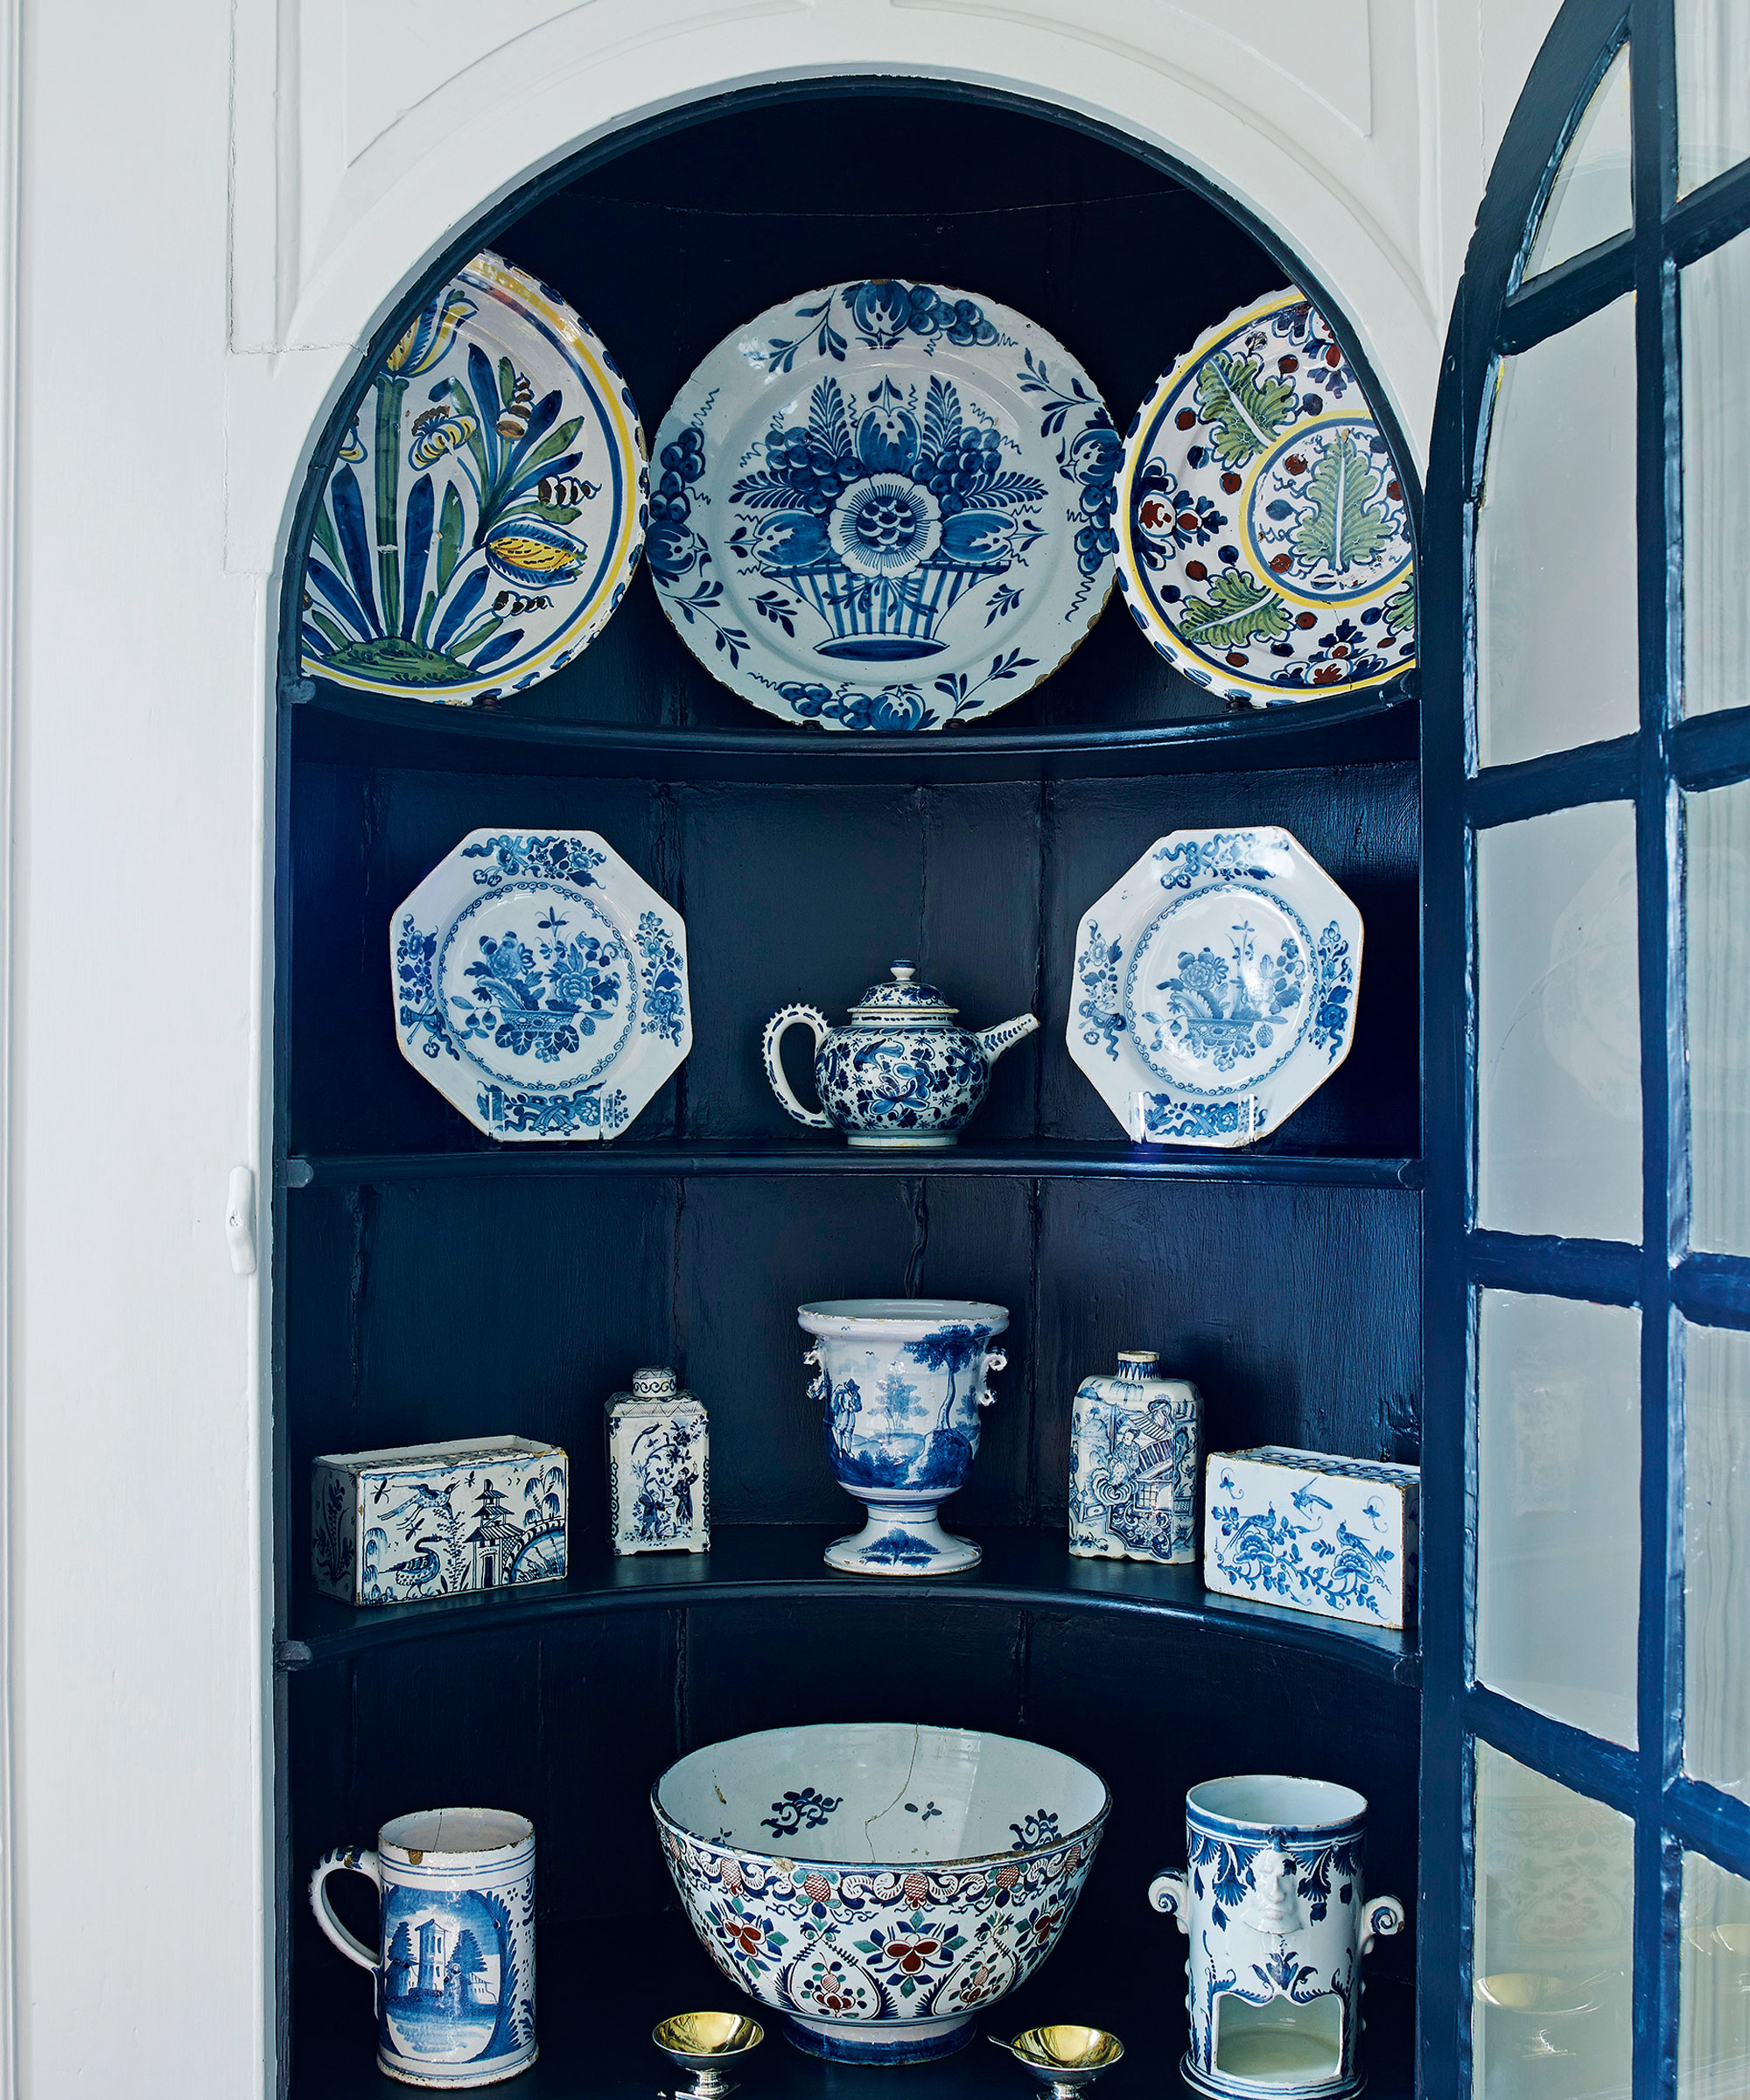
[1064, 2059]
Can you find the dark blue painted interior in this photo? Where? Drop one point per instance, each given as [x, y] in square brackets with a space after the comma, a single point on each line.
[430, 1285]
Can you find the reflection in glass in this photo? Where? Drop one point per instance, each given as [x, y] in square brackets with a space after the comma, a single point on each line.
[1713, 89]
[1555, 546]
[1717, 891]
[1558, 1507]
[1716, 325]
[1591, 197]
[1717, 1558]
[1558, 1026]
[1550, 2017]
[1713, 2007]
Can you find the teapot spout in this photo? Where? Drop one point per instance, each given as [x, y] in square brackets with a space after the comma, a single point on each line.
[1004, 1035]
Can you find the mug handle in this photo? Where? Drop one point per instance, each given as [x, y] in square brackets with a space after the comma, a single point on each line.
[345, 1860]
[816, 1022]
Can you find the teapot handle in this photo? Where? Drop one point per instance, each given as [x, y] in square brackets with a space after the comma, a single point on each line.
[786, 1017]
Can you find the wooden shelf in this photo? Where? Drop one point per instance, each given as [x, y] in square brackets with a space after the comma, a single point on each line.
[750, 1562]
[605, 1984]
[1029, 1160]
[333, 725]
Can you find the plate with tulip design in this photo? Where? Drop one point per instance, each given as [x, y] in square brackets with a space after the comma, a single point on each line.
[884, 506]
[488, 507]
[1264, 541]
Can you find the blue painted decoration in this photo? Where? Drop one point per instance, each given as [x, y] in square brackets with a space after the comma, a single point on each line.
[1136, 1443]
[884, 506]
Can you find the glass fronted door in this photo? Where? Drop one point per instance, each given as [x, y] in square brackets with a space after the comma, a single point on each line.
[1585, 1907]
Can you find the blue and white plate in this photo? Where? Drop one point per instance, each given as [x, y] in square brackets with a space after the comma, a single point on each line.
[884, 506]
[540, 986]
[488, 506]
[1263, 537]
[1215, 987]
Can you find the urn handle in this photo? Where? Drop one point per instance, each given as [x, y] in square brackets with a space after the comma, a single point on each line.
[1169, 1892]
[1381, 1917]
[816, 1023]
[995, 1359]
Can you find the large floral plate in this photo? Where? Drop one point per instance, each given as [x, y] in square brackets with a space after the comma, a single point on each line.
[884, 506]
[488, 506]
[1263, 538]
[1215, 987]
[540, 986]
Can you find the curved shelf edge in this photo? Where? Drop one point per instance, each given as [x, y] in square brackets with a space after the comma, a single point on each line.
[333, 724]
[1023, 1161]
[754, 1564]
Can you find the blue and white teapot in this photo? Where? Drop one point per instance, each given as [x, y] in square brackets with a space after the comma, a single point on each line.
[901, 1074]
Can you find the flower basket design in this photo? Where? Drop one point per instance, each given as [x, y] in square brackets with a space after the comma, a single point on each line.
[948, 482]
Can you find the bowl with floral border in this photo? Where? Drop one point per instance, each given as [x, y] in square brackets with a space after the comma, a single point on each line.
[878, 1883]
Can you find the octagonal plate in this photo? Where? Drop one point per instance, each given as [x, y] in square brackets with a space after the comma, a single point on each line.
[1215, 987]
[1264, 536]
[540, 986]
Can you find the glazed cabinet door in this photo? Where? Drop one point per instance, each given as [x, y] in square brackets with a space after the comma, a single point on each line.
[1586, 1751]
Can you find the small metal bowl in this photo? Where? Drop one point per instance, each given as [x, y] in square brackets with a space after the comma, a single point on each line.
[1064, 2059]
[706, 2044]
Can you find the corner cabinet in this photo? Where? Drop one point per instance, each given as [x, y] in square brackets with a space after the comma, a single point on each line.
[429, 1285]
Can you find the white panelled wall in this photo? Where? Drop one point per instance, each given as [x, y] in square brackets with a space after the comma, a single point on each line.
[216, 204]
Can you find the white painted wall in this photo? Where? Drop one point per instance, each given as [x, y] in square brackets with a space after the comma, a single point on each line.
[217, 203]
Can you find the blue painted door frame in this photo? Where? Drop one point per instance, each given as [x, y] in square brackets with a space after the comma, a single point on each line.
[1650, 769]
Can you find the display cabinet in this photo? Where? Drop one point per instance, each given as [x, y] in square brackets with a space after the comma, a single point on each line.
[431, 1283]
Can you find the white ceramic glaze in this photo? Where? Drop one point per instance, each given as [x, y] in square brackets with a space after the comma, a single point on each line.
[900, 1381]
[878, 1882]
[1273, 1904]
[541, 985]
[454, 1962]
[1337, 1537]
[658, 1466]
[901, 1077]
[429, 1520]
[883, 506]
[1215, 987]
[1135, 1440]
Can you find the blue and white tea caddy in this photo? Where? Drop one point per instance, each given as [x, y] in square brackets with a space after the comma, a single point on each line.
[902, 1075]
[1272, 1901]
[658, 1466]
[1134, 1453]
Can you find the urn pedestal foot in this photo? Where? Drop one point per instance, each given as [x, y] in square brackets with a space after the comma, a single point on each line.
[878, 2042]
[900, 1539]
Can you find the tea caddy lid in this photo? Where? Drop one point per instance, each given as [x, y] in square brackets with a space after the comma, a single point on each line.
[655, 1385]
[903, 995]
[1144, 1360]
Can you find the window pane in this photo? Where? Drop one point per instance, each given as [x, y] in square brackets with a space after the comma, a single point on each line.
[1716, 325]
[1554, 1907]
[1558, 1026]
[1717, 887]
[1590, 198]
[1558, 1507]
[1713, 2007]
[1555, 548]
[1713, 89]
[1717, 1559]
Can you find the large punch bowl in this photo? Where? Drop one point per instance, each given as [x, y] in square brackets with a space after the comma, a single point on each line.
[878, 1882]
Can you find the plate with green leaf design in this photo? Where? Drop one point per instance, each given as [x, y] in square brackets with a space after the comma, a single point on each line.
[488, 503]
[1263, 538]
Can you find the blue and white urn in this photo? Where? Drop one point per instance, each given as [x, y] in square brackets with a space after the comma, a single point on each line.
[900, 1381]
[902, 1075]
[1273, 1903]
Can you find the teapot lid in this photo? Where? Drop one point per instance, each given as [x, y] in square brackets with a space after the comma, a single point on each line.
[905, 995]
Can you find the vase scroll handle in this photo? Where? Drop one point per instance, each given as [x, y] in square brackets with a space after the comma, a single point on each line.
[786, 1017]
[1381, 1917]
[344, 1861]
[995, 1359]
[1168, 1893]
